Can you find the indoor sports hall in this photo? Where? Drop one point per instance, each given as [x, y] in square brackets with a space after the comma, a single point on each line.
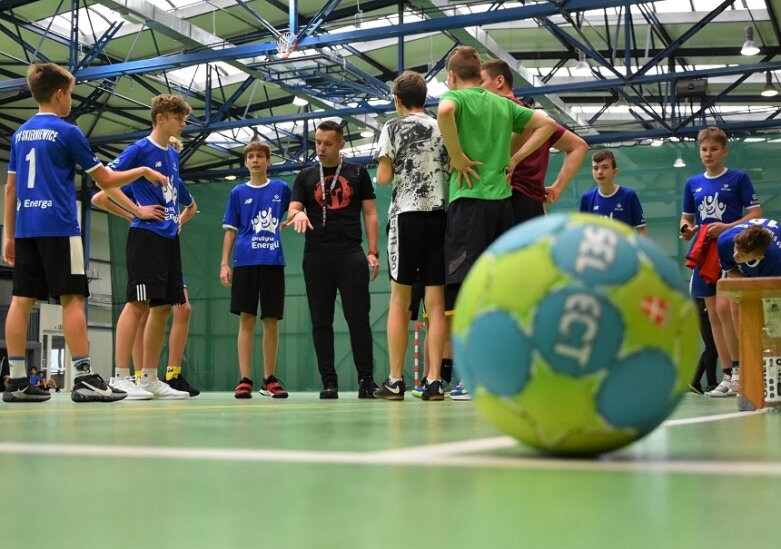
[640, 79]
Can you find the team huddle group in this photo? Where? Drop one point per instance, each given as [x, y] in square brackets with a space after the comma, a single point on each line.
[459, 182]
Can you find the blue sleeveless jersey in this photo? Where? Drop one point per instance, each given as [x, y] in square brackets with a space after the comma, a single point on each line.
[44, 154]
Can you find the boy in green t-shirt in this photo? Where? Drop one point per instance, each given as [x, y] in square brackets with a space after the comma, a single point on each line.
[477, 126]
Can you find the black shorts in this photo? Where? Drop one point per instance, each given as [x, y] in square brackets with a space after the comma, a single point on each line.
[416, 248]
[472, 225]
[49, 266]
[154, 269]
[525, 208]
[258, 282]
[416, 300]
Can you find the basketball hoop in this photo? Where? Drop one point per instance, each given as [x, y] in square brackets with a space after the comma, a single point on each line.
[284, 45]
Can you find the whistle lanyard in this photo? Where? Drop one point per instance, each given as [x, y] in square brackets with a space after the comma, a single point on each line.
[324, 190]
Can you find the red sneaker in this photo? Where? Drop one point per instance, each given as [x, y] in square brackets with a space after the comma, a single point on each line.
[273, 388]
[244, 388]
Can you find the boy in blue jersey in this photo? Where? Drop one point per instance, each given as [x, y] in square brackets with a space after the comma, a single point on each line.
[252, 226]
[127, 209]
[714, 201]
[42, 235]
[153, 257]
[750, 249]
[608, 199]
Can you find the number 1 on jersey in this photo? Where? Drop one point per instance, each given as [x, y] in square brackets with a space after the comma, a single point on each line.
[31, 170]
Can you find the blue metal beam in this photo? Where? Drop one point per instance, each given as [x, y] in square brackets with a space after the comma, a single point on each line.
[611, 83]
[100, 45]
[157, 64]
[694, 29]
[267, 25]
[315, 22]
[25, 46]
[11, 4]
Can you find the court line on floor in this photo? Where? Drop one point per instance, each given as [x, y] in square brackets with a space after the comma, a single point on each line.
[451, 454]
[389, 458]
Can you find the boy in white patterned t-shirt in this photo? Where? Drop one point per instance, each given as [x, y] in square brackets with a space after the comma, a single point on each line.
[412, 153]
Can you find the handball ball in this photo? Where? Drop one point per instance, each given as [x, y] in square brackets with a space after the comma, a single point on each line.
[576, 335]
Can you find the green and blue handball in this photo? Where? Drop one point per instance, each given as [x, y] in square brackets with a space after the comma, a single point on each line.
[575, 334]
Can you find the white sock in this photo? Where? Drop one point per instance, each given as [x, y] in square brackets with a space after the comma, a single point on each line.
[18, 366]
[123, 372]
[148, 375]
[394, 379]
[80, 366]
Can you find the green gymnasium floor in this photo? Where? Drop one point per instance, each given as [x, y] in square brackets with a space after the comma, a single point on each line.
[219, 473]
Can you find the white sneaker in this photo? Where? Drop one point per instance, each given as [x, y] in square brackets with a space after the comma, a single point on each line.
[162, 391]
[734, 384]
[128, 384]
[723, 389]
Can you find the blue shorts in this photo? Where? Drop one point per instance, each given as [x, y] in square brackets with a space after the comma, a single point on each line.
[699, 288]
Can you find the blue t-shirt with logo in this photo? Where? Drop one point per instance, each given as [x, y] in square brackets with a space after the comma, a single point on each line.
[769, 265]
[719, 199]
[165, 160]
[623, 205]
[44, 154]
[255, 213]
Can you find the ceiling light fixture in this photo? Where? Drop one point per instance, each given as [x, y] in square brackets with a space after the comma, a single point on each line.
[582, 68]
[358, 15]
[300, 101]
[770, 89]
[657, 142]
[749, 46]
[679, 162]
[367, 133]
[230, 178]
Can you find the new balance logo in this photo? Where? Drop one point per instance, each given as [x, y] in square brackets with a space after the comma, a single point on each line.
[158, 164]
[248, 201]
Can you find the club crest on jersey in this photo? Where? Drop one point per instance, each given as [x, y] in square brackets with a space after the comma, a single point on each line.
[265, 222]
[711, 208]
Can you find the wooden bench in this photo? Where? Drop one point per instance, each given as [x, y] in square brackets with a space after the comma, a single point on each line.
[749, 292]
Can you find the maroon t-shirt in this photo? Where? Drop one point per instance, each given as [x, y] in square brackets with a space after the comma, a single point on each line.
[529, 176]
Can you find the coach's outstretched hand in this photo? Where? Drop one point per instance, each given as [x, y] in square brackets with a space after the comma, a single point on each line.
[299, 221]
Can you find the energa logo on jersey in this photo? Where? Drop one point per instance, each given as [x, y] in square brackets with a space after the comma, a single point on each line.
[265, 222]
[711, 208]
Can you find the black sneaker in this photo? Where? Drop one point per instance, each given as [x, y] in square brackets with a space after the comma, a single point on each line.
[92, 388]
[391, 391]
[181, 384]
[433, 391]
[696, 388]
[18, 389]
[330, 391]
[366, 387]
